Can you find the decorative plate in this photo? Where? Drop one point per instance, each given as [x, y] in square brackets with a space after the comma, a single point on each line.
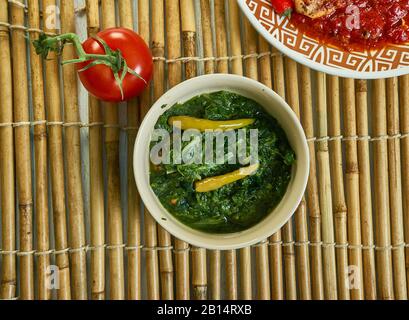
[389, 61]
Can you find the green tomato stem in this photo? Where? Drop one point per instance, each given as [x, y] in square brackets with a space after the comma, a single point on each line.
[73, 38]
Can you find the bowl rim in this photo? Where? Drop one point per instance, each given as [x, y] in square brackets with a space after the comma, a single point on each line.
[364, 75]
[174, 226]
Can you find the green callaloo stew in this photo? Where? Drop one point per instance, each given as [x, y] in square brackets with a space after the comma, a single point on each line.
[238, 205]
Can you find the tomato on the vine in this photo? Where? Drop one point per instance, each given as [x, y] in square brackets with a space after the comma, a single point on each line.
[115, 65]
[100, 81]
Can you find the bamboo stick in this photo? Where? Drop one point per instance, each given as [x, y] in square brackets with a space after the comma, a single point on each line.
[182, 270]
[158, 47]
[134, 200]
[289, 262]
[395, 187]
[173, 42]
[404, 126]
[262, 251]
[96, 177]
[215, 276]
[73, 162]
[199, 270]
[276, 270]
[174, 49]
[262, 271]
[134, 215]
[187, 15]
[23, 156]
[352, 188]
[40, 145]
[235, 35]
[149, 223]
[199, 274]
[278, 75]
[231, 274]
[324, 187]
[158, 50]
[8, 282]
[55, 140]
[209, 67]
[245, 273]
[144, 31]
[302, 251]
[221, 50]
[262, 267]
[275, 248]
[265, 76]
[188, 31]
[312, 189]
[301, 227]
[221, 34]
[368, 257]
[175, 77]
[340, 207]
[250, 37]
[382, 215]
[287, 230]
[115, 232]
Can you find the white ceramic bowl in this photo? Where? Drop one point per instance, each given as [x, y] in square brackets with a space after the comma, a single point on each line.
[275, 106]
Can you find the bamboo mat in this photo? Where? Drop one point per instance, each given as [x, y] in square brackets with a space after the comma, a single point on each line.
[68, 197]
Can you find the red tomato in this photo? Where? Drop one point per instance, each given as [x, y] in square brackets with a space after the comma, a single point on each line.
[99, 80]
[283, 7]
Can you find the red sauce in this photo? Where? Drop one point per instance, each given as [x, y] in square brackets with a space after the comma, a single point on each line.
[381, 22]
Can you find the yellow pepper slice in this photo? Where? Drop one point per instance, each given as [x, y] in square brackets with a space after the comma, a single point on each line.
[214, 183]
[186, 122]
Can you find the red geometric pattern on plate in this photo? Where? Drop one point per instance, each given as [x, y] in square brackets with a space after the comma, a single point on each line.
[389, 58]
